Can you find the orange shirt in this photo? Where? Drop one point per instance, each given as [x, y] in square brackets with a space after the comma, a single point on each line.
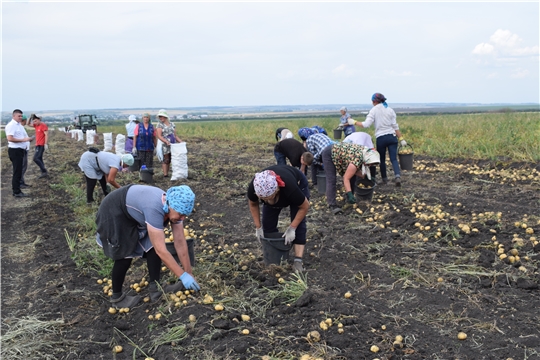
[40, 133]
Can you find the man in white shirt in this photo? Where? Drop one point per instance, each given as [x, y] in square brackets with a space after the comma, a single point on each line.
[18, 141]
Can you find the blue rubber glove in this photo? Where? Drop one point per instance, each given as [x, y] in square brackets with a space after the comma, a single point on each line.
[350, 198]
[189, 282]
[289, 235]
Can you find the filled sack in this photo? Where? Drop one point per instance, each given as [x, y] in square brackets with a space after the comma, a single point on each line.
[108, 143]
[179, 161]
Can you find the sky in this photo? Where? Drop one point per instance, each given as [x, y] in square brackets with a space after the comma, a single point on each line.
[98, 55]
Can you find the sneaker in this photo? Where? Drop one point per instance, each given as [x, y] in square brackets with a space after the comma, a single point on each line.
[43, 175]
[20, 195]
[382, 182]
[297, 266]
[335, 209]
[398, 181]
[24, 186]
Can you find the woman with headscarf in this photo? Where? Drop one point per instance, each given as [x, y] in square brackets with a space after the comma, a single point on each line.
[387, 134]
[130, 130]
[130, 224]
[144, 141]
[166, 132]
[349, 161]
[278, 187]
[103, 166]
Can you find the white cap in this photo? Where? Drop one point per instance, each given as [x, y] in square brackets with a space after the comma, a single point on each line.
[343, 108]
[132, 118]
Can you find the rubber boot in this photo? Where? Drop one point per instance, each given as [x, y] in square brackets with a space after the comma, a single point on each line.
[155, 292]
[126, 301]
[173, 288]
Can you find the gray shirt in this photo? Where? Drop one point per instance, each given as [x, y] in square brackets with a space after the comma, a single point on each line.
[144, 204]
[107, 160]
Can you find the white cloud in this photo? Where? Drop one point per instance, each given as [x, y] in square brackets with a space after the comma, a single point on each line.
[483, 49]
[399, 74]
[492, 76]
[505, 38]
[504, 43]
[519, 73]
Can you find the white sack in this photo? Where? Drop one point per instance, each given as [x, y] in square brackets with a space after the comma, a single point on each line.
[73, 134]
[90, 137]
[159, 150]
[107, 140]
[80, 135]
[179, 161]
[120, 146]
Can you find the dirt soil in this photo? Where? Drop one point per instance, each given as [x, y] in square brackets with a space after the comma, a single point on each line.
[421, 261]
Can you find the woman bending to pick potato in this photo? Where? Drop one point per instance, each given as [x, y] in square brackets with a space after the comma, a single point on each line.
[278, 187]
[387, 134]
[130, 223]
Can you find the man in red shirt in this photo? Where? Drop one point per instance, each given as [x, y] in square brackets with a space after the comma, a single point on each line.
[42, 138]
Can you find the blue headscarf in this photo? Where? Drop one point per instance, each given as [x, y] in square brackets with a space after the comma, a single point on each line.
[379, 98]
[181, 199]
[305, 132]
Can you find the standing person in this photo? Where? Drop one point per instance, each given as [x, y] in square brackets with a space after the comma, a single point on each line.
[166, 132]
[102, 166]
[144, 141]
[130, 224]
[349, 161]
[42, 140]
[130, 131]
[387, 134]
[24, 185]
[278, 187]
[344, 122]
[18, 141]
[293, 150]
[316, 143]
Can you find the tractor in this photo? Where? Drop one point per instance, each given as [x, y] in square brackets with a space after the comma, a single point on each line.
[86, 122]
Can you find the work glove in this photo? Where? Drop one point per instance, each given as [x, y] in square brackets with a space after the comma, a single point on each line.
[46, 147]
[134, 152]
[189, 282]
[350, 198]
[351, 121]
[289, 235]
[259, 233]
[403, 142]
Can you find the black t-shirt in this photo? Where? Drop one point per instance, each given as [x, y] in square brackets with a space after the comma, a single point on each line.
[288, 195]
[292, 149]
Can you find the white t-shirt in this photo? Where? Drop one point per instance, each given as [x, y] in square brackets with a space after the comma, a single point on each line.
[16, 130]
[360, 138]
[384, 119]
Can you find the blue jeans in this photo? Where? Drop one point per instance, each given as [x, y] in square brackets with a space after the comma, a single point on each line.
[280, 158]
[389, 141]
[38, 158]
[270, 216]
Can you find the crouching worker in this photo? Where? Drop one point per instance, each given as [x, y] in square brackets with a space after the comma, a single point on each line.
[130, 223]
[278, 187]
[102, 166]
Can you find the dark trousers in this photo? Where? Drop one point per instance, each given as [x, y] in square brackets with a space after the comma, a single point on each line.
[146, 157]
[121, 267]
[330, 171]
[389, 141]
[16, 156]
[280, 158]
[270, 216]
[38, 158]
[91, 184]
[24, 166]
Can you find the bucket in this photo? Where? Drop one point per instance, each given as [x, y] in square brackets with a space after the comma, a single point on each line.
[405, 156]
[337, 133]
[147, 175]
[362, 193]
[136, 165]
[321, 183]
[274, 249]
[191, 251]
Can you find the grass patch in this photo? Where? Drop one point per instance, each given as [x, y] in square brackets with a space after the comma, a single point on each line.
[30, 338]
